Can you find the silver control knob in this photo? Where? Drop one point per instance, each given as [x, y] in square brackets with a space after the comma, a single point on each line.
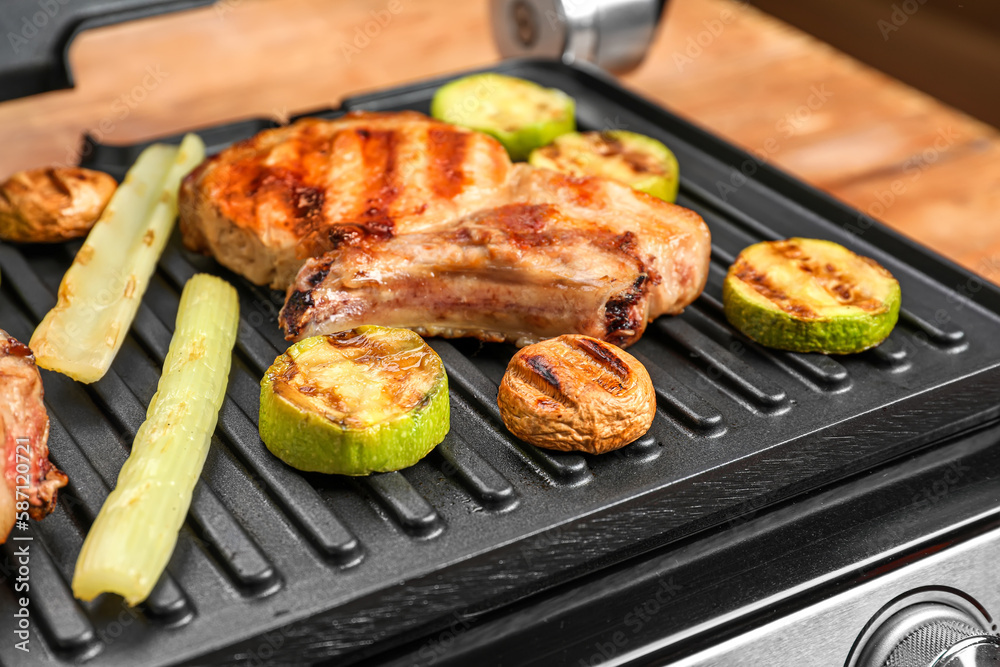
[972, 652]
[613, 34]
[931, 634]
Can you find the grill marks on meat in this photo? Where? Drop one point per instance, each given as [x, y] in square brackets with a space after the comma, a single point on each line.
[379, 151]
[519, 273]
[415, 223]
[445, 172]
[266, 203]
[533, 262]
[24, 434]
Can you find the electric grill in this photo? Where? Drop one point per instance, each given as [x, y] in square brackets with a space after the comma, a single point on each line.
[770, 486]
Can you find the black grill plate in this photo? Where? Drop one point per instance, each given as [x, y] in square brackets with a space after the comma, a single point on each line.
[278, 567]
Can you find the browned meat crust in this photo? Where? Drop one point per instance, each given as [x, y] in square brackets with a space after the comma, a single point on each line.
[518, 272]
[573, 255]
[265, 204]
[429, 226]
[24, 433]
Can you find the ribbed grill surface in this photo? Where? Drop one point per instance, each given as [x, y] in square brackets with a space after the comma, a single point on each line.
[275, 566]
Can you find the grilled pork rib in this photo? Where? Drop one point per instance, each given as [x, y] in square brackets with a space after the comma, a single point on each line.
[517, 272]
[24, 435]
[416, 223]
[475, 278]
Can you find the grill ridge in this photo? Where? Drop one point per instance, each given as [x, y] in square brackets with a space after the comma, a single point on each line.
[485, 519]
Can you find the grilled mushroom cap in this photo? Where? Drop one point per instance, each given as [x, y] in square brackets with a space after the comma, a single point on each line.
[52, 204]
[576, 393]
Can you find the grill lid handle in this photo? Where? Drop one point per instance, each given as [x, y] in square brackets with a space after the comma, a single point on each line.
[612, 34]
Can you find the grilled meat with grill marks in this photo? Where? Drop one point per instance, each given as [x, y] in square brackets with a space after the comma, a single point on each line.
[579, 255]
[416, 223]
[265, 204]
[24, 435]
[475, 278]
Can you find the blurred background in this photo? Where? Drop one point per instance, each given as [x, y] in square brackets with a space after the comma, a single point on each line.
[947, 48]
[885, 104]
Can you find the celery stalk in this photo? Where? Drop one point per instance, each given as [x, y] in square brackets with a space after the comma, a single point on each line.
[100, 293]
[131, 540]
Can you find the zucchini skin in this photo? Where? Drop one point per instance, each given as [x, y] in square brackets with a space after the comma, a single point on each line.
[451, 104]
[782, 331]
[779, 329]
[564, 154]
[311, 442]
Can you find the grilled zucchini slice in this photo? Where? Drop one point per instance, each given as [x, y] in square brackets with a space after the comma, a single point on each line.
[634, 159]
[372, 399]
[808, 295]
[521, 114]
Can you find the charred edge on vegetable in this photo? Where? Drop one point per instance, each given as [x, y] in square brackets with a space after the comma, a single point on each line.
[342, 335]
[543, 369]
[835, 282]
[424, 401]
[600, 353]
[622, 322]
[537, 372]
[759, 282]
[638, 161]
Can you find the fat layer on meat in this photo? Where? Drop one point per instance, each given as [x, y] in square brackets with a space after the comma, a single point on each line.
[516, 272]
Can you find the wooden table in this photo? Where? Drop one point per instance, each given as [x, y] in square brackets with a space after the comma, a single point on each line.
[925, 169]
